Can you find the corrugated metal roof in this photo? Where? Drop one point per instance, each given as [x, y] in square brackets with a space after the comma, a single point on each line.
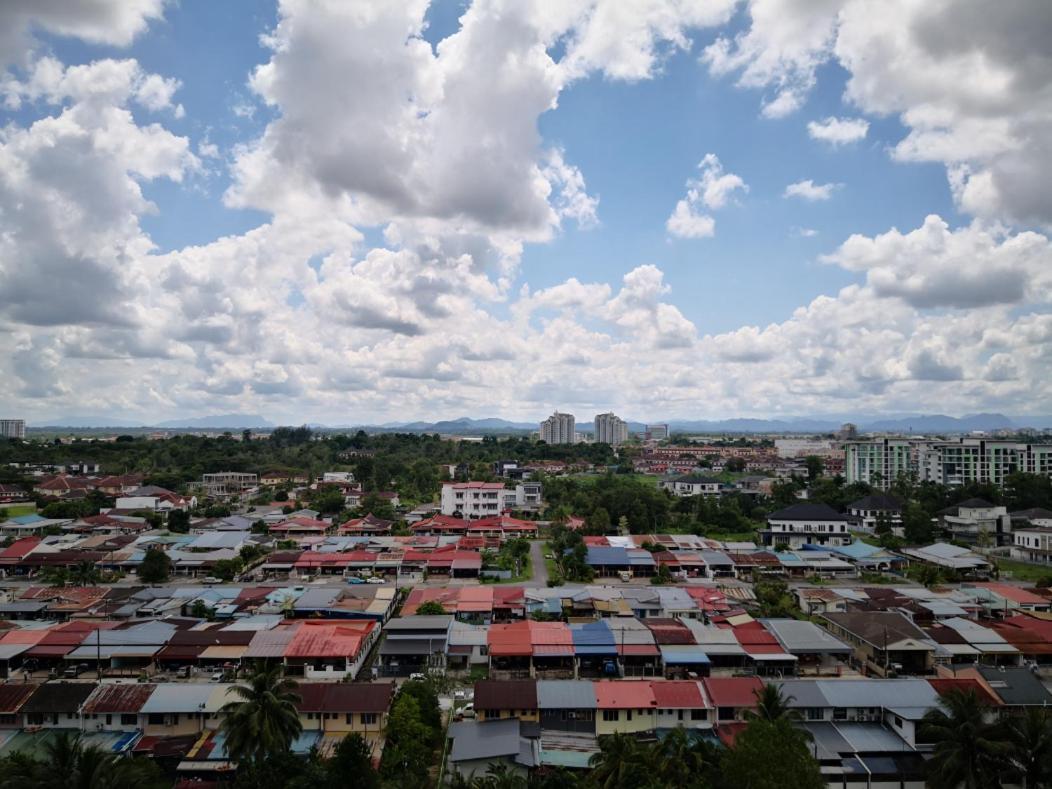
[620, 695]
[172, 697]
[124, 697]
[572, 694]
[680, 654]
[675, 694]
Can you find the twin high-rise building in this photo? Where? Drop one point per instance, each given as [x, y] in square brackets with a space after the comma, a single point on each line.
[610, 429]
[12, 428]
[559, 429]
[958, 462]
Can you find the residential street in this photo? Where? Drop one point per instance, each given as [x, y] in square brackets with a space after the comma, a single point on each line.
[539, 568]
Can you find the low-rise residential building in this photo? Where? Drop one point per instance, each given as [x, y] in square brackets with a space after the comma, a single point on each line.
[692, 485]
[807, 523]
[885, 643]
[488, 499]
[977, 522]
[875, 510]
[1032, 544]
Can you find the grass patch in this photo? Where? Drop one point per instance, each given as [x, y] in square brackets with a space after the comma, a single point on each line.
[14, 510]
[1021, 571]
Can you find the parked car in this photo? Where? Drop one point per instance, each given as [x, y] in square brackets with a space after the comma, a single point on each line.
[75, 670]
[212, 580]
[467, 711]
[375, 580]
[417, 676]
[355, 580]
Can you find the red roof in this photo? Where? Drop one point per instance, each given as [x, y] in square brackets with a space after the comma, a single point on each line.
[732, 691]
[674, 694]
[325, 639]
[614, 694]
[18, 549]
[1014, 593]
[475, 485]
[118, 698]
[945, 685]
[13, 696]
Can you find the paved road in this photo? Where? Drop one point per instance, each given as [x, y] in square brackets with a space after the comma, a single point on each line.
[538, 566]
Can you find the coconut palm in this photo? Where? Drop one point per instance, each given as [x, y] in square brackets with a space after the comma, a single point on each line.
[971, 748]
[681, 763]
[84, 574]
[499, 776]
[262, 720]
[621, 762]
[771, 705]
[66, 762]
[1031, 738]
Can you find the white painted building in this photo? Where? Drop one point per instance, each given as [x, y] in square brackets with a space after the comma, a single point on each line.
[559, 429]
[807, 523]
[488, 499]
[1032, 544]
[802, 447]
[610, 429]
[12, 428]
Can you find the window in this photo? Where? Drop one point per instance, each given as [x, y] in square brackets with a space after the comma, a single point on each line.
[839, 714]
[898, 721]
[609, 716]
[699, 715]
[679, 714]
[814, 713]
[155, 719]
[726, 713]
[369, 718]
[109, 719]
[129, 719]
[35, 719]
[628, 715]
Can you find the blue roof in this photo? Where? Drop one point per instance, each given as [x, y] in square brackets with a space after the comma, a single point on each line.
[591, 634]
[600, 555]
[680, 654]
[26, 520]
[856, 550]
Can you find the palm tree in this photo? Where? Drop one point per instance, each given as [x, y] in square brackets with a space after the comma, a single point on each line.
[66, 762]
[679, 762]
[1031, 738]
[771, 705]
[499, 776]
[54, 576]
[621, 762]
[84, 574]
[971, 751]
[263, 719]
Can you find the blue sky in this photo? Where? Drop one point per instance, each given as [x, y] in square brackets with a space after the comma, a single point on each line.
[327, 258]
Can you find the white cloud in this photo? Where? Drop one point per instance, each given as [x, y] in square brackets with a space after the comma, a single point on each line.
[713, 189]
[970, 86]
[809, 190]
[838, 131]
[113, 22]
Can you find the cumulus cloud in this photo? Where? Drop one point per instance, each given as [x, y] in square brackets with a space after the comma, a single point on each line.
[970, 86]
[838, 131]
[713, 189]
[809, 190]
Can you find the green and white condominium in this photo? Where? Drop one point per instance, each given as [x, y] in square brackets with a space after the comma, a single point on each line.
[879, 462]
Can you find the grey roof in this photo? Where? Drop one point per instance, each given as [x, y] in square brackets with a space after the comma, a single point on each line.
[1016, 686]
[572, 694]
[827, 741]
[803, 693]
[807, 511]
[413, 646]
[317, 597]
[419, 623]
[800, 636]
[886, 693]
[871, 738]
[147, 633]
[473, 740]
[8, 651]
[877, 501]
[178, 697]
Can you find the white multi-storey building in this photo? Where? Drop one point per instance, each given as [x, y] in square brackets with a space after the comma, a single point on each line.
[610, 429]
[12, 428]
[880, 462]
[807, 523]
[559, 429]
[657, 432]
[488, 499]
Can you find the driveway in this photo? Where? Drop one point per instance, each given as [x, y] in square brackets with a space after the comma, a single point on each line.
[540, 569]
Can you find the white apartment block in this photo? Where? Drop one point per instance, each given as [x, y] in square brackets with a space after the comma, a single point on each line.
[228, 483]
[559, 429]
[12, 428]
[954, 463]
[807, 523]
[488, 499]
[610, 429]
[802, 447]
[657, 432]
[1033, 544]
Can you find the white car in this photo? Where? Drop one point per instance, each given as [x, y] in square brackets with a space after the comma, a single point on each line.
[375, 580]
[417, 676]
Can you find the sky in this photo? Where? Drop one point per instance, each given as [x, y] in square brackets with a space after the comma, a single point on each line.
[349, 212]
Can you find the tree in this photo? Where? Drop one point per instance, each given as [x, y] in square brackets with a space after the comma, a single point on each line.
[262, 720]
[430, 608]
[66, 762]
[735, 465]
[815, 467]
[517, 549]
[678, 762]
[227, 569]
[771, 705]
[927, 575]
[598, 522]
[620, 763]
[351, 760]
[970, 751]
[84, 574]
[407, 755]
[179, 521]
[917, 524]
[155, 566]
[54, 576]
[774, 598]
[500, 776]
[1031, 737]
[663, 576]
[771, 755]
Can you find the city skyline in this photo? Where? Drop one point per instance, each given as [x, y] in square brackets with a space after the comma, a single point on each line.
[408, 210]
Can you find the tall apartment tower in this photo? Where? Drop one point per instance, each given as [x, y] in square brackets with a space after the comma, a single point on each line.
[12, 428]
[558, 429]
[610, 429]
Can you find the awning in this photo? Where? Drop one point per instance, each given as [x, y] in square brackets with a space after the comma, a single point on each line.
[553, 650]
[224, 652]
[683, 654]
[638, 650]
[49, 650]
[773, 657]
[180, 653]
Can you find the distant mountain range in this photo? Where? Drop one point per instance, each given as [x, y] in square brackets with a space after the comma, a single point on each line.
[466, 426]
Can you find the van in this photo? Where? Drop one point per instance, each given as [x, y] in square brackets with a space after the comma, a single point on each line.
[625, 575]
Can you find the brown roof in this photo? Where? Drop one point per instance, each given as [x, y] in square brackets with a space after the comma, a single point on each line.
[13, 696]
[119, 698]
[876, 626]
[345, 697]
[516, 694]
[58, 697]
